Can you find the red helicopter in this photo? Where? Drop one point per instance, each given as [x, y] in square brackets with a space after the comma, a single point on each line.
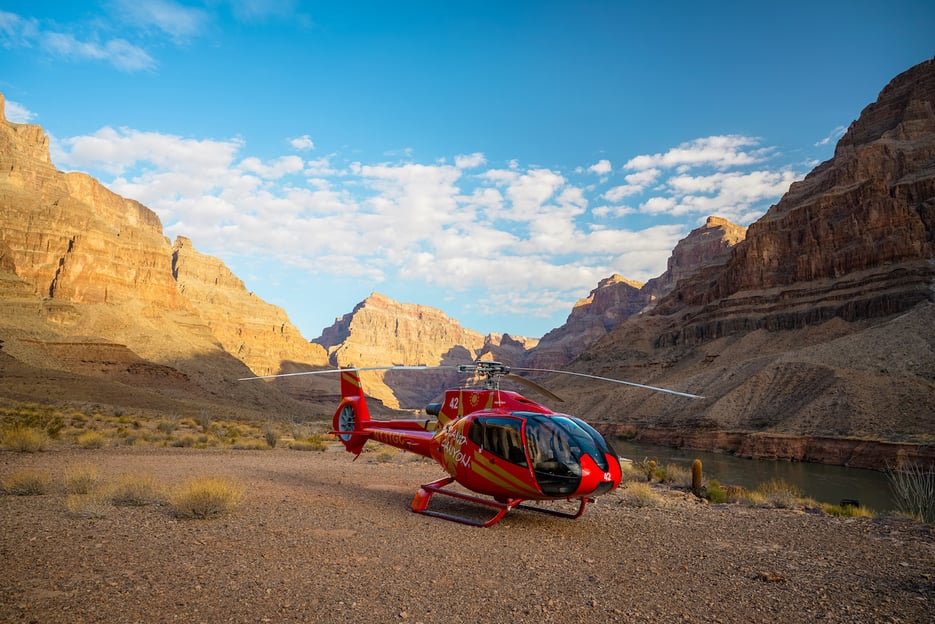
[493, 442]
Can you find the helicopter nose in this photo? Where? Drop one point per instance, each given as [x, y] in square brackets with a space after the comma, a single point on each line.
[596, 480]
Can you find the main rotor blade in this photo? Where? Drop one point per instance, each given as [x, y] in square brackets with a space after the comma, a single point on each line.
[538, 387]
[617, 381]
[344, 370]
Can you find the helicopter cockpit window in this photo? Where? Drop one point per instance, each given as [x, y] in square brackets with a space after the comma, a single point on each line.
[501, 437]
[556, 445]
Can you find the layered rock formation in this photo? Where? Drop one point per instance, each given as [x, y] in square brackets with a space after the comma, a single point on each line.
[821, 322]
[255, 332]
[383, 332]
[852, 240]
[615, 299]
[91, 288]
[705, 248]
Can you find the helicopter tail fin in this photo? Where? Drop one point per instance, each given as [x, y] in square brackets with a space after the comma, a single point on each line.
[352, 413]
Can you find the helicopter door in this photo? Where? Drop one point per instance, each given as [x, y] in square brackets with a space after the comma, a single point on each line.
[501, 437]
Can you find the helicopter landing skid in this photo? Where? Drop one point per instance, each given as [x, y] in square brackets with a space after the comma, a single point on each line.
[421, 500]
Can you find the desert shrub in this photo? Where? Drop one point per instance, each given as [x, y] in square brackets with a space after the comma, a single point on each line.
[677, 475]
[639, 494]
[204, 421]
[82, 478]
[93, 504]
[735, 493]
[186, 441]
[91, 440]
[314, 442]
[189, 423]
[631, 472]
[780, 494]
[135, 490]
[847, 511]
[715, 492]
[167, 426]
[271, 436]
[205, 497]
[33, 416]
[25, 439]
[26, 483]
[913, 489]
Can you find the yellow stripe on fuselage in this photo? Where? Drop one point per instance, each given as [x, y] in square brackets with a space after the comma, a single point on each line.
[498, 476]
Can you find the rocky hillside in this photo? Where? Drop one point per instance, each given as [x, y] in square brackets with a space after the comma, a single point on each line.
[820, 323]
[616, 299]
[94, 295]
[383, 332]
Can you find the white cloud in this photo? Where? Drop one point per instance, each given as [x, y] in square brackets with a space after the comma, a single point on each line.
[118, 52]
[29, 34]
[171, 18]
[832, 137]
[470, 161]
[716, 151]
[521, 234]
[303, 142]
[17, 113]
[601, 167]
[117, 150]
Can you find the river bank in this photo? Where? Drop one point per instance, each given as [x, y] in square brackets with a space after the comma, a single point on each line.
[870, 454]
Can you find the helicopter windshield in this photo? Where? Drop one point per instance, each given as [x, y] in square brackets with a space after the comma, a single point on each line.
[556, 445]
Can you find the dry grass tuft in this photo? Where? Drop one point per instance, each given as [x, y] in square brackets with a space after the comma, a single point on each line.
[310, 443]
[26, 483]
[630, 471]
[640, 494]
[134, 490]
[25, 439]
[93, 504]
[91, 440]
[206, 497]
[779, 494]
[82, 478]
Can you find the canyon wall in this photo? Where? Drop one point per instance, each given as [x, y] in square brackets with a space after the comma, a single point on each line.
[90, 287]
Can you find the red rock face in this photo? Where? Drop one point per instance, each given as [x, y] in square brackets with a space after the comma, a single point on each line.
[854, 239]
[616, 299]
[80, 261]
[820, 323]
[383, 332]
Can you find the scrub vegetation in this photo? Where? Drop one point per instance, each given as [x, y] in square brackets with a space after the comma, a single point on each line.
[32, 428]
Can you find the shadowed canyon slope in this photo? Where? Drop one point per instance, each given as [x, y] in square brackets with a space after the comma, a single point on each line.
[821, 321]
[97, 305]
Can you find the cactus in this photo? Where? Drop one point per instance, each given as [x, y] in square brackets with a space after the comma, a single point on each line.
[650, 469]
[696, 477]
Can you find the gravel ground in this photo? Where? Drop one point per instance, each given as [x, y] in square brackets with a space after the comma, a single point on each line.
[321, 538]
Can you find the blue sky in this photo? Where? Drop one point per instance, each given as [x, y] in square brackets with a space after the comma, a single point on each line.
[494, 160]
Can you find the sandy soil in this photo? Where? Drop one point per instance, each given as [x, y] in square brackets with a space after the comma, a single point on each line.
[318, 537]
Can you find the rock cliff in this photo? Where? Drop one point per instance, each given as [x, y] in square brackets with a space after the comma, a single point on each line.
[383, 332]
[615, 299]
[821, 322]
[91, 288]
